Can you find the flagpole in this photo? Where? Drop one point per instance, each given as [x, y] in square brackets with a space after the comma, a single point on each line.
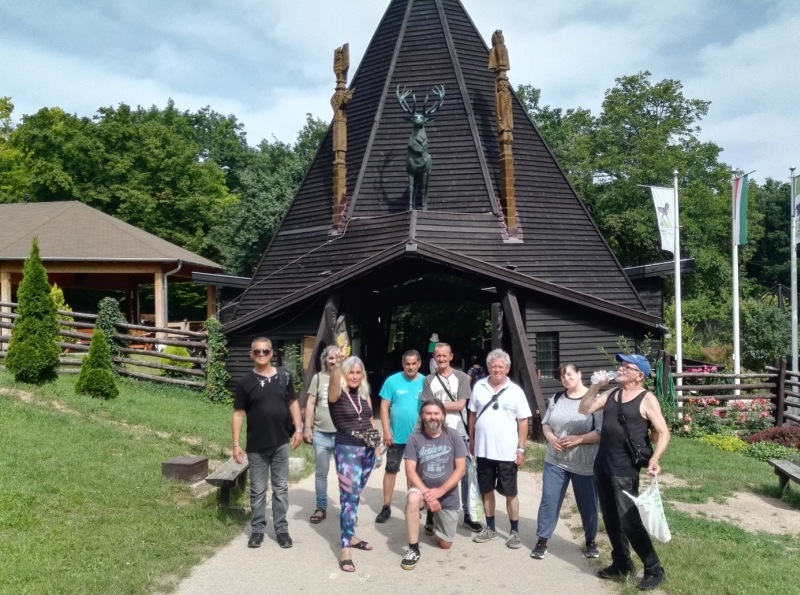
[678, 315]
[735, 266]
[792, 194]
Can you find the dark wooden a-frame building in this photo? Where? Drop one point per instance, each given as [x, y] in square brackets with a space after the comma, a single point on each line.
[502, 224]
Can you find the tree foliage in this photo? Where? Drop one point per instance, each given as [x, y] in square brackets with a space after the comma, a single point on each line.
[96, 377]
[108, 315]
[32, 353]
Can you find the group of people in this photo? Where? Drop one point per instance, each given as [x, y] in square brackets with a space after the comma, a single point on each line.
[442, 427]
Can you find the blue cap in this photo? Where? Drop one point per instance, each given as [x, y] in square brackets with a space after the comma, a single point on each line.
[637, 360]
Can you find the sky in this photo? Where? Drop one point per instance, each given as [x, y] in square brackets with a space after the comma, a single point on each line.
[269, 62]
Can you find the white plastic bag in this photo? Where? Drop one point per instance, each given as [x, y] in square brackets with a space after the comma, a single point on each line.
[475, 503]
[651, 509]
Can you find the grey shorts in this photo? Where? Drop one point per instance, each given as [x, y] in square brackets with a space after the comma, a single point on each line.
[445, 522]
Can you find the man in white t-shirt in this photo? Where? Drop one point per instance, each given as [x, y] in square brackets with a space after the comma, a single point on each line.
[498, 430]
[452, 388]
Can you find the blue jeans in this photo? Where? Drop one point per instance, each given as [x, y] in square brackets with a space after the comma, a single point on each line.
[465, 482]
[554, 485]
[323, 450]
[275, 463]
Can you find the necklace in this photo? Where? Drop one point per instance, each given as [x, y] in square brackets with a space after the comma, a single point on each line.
[358, 408]
[262, 379]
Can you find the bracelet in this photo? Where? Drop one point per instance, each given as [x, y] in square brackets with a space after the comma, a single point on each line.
[236, 446]
[522, 450]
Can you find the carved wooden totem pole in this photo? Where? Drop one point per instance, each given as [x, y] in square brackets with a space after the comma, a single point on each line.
[339, 101]
[498, 61]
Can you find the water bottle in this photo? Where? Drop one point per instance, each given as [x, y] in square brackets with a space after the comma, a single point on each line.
[597, 377]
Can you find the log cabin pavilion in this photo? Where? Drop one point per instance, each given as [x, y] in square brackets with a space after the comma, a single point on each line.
[83, 248]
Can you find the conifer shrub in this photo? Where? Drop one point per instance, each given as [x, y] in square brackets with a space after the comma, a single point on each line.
[96, 378]
[33, 353]
[57, 295]
[108, 315]
[175, 350]
[217, 376]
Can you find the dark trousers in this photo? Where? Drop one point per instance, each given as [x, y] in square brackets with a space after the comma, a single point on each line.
[623, 523]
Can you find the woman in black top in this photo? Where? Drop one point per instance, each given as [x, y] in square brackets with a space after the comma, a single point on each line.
[351, 410]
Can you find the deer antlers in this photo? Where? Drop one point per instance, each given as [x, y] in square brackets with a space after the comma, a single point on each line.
[402, 96]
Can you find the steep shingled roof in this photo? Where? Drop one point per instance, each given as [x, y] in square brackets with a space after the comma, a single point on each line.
[419, 44]
[73, 231]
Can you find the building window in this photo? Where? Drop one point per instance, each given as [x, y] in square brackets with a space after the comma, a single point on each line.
[547, 355]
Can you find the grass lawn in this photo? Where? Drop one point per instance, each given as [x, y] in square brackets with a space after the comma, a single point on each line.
[714, 557]
[83, 507]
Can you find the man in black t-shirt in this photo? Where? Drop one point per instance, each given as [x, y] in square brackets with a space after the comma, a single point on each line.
[266, 397]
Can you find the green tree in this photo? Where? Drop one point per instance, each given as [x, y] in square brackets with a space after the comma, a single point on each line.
[12, 165]
[33, 354]
[765, 333]
[108, 316]
[769, 265]
[96, 377]
[57, 295]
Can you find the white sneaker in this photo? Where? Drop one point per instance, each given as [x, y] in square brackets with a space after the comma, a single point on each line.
[486, 535]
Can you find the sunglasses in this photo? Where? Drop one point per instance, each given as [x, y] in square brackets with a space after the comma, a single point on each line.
[261, 351]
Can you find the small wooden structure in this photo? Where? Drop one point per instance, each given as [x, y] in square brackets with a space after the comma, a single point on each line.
[785, 470]
[228, 477]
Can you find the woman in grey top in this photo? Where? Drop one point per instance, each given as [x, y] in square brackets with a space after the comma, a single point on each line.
[572, 441]
[319, 430]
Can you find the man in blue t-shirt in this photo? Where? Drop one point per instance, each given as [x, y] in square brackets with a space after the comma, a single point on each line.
[400, 405]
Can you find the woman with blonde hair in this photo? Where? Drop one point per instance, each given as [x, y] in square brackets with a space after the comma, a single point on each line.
[353, 451]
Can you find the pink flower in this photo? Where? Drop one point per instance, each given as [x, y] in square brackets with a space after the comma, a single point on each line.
[717, 413]
[742, 418]
[685, 429]
[764, 414]
[687, 418]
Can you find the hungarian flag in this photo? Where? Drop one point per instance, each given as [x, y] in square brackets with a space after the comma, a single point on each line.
[796, 208]
[740, 211]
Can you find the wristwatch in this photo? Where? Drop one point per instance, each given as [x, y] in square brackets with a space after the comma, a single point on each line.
[520, 449]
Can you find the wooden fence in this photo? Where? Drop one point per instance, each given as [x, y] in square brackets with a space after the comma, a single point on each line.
[140, 353]
[777, 385]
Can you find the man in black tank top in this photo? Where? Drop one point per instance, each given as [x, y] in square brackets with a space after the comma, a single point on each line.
[638, 410]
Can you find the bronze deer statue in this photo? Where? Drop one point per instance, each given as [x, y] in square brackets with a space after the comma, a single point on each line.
[418, 161]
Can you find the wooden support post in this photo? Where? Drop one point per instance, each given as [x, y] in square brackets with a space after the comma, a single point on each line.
[325, 336]
[5, 296]
[497, 326]
[521, 353]
[211, 301]
[160, 302]
[780, 392]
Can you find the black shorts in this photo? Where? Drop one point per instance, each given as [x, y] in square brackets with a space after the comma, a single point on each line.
[497, 475]
[394, 457]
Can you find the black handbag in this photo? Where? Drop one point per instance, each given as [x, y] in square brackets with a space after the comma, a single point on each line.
[370, 438]
[640, 454]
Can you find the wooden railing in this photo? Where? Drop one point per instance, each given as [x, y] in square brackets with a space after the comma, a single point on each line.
[143, 342]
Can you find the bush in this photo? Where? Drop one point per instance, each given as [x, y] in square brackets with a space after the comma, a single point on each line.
[98, 383]
[785, 435]
[32, 353]
[768, 450]
[175, 350]
[97, 369]
[727, 442]
[108, 315]
[57, 295]
[217, 376]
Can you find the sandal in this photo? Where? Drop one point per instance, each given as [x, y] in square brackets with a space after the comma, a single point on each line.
[347, 566]
[318, 516]
[361, 545]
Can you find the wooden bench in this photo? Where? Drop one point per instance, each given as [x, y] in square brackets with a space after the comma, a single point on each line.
[785, 470]
[229, 476]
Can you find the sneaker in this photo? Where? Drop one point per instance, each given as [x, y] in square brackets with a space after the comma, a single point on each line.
[410, 559]
[614, 572]
[429, 524]
[383, 515]
[540, 550]
[255, 540]
[591, 550]
[284, 540]
[472, 525]
[651, 579]
[486, 535]
[513, 541]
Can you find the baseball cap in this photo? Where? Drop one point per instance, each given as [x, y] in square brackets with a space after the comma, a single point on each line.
[637, 360]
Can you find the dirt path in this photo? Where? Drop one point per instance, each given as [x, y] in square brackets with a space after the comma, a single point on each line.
[311, 565]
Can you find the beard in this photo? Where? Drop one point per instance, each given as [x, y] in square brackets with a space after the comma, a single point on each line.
[433, 427]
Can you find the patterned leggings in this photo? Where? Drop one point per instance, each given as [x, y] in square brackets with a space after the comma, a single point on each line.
[353, 465]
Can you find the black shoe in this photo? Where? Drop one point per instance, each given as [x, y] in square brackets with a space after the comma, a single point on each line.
[255, 540]
[540, 550]
[429, 524]
[384, 514]
[591, 550]
[472, 525]
[284, 540]
[614, 572]
[651, 579]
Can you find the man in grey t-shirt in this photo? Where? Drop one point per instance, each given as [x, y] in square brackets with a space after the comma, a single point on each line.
[435, 459]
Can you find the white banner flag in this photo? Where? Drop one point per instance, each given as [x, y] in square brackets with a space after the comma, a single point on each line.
[796, 211]
[664, 201]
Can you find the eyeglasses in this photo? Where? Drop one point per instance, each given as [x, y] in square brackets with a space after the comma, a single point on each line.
[629, 367]
[261, 351]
